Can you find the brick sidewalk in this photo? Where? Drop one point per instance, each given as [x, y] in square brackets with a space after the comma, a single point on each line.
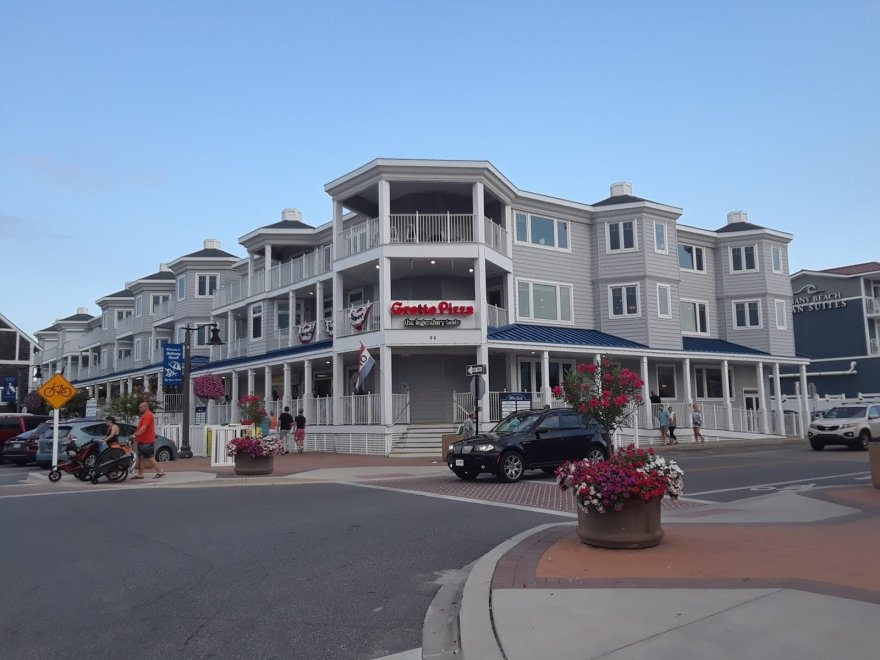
[295, 463]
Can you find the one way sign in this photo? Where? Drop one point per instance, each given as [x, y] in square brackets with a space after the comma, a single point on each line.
[476, 369]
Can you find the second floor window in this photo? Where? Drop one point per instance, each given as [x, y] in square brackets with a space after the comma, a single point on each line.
[664, 311]
[541, 230]
[256, 321]
[181, 287]
[623, 300]
[742, 259]
[747, 314]
[690, 257]
[622, 236]
[694, 317]
[139, 305]
[781, 315]
[660, 244]
[543, 301]
[105, 318]
[776, 258]
[121, 315]
[103, 358]
[138, 351]
[156, 300]
[206, 285]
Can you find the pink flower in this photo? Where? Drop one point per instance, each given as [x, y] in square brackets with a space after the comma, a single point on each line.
[557, 390]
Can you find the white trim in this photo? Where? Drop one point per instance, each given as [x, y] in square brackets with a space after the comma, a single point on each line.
[181, 278]
[697, 332]
[776, 249]
[624, 286]
[731, 248]
[784, 325]
[694, 256]
[559, 286]
[138, 349]
[199, 276]
[665, 226]
[528, 241]
[622, 248]
[746, 302]
[668, 288]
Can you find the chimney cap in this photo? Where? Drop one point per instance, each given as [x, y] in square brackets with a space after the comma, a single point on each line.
[211, 244]
[621, 188]
[291, 214]
[737, 216]
[82, 310]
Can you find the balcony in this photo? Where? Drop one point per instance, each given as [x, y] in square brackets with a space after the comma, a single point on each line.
[124, 326]
[873, 306]
[164, 310]
[874, 347]
[353, 321]
[496, 316]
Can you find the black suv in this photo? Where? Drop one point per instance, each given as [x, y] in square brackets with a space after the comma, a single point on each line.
[530, 439]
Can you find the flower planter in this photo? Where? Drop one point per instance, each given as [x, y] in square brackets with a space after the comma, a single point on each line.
[637, 525]
[245, 464]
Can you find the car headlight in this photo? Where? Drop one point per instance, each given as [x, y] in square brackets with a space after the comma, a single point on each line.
[486, 447]
[449, 448]
[848, 426]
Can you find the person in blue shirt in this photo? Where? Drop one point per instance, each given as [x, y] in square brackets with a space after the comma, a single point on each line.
[663, 418]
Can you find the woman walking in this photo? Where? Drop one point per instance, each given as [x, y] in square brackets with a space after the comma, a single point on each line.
[672, 424]
[697, 422]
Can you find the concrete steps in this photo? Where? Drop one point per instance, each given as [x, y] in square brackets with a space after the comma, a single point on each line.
[422, 440]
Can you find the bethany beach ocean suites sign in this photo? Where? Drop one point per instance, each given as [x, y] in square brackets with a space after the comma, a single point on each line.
[809, 298]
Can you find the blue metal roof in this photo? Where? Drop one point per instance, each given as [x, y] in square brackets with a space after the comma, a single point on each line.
[548, 334]
[709, 345]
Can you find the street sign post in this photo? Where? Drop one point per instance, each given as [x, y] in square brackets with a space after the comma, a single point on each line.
[56, 392]
[478, 388]
[475, 369]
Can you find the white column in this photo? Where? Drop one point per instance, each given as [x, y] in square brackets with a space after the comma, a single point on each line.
[337, 228]
[386, 388]
[725, 385]
[510, 297]
[115, 354]
[545, 378]
[250, 272]
[646, 395]
[319, 311]
[129, 385]
[512, 375]
[688, 393]
[338, 387]
[480, 290]
[152, 346]
[234, 413]
[384, 211]
[762, 398]
[508, 226]
[250, 381]
[230, 334]
[337, 301]
[267, 384]
[160, 386]
[267, 271]
[285, 397]
[308, 381]
[777, 391]
[804, 407]
[385, 291]
[69, 369]
[291, 329]
[483, 358]
[479, 212]
[145, 384]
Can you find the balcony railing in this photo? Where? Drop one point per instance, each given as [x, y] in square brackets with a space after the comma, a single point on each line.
[346, 322]
[496, 236]
[432, 228]
[357, 239]
[164, 310]
[875, 347]
[124, 326]
[873, 306]
[496, 316]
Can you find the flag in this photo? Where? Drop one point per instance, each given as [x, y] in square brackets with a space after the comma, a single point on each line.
[365, 366]
[357, 316]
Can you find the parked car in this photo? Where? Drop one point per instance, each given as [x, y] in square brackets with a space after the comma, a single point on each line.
[83, 430]
[13, 424]
[527, 440]
[853, 426]
[22, 449]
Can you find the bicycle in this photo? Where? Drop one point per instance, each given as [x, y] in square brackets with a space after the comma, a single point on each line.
[60, 390]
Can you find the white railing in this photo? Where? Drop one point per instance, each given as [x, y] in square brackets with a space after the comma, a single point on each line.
[124, 363]
[496, 236]
[400, 408]
[319, 411]
[361, 409]
[496, 316]
[359, 238]
[344, 328]
[237, 348]
[282, 339]
[172, 403]
[432, 228]
[875, 347]
[164, 309]
[124, 325]
[873, 306]
[90, 338]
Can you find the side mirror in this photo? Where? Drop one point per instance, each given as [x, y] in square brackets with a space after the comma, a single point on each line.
[542, 429]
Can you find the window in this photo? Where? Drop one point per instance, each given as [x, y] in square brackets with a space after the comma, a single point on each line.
[103, 358]
[690, 257]
[666, 381]
[121, 315]
[159, 346]
[747, 314]
[206, 285]
[623, 300]
[541, 230]
[621, 236]
[256, 321]
[742, 259]
[544, 301]
[282, 315]
[660, 244]
[781, 315]
[181, 287]
[694, 317]
[664, 311]
[105, 318]
[139, 305]
[156, 300]
[138, 349]
[776, 258]
[202, 335]
[708, 383]
[181, 334]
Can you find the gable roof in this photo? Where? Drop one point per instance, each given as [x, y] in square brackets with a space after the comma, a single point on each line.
[854, 269]
[547, 334]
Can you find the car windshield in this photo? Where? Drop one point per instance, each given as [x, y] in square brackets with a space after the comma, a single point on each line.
[845, 412]
[517, 423]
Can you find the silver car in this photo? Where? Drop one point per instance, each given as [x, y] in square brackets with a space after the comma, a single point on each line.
[853, 426]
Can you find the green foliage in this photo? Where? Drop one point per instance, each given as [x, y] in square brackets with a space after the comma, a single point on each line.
[126, 407]
[77, 405]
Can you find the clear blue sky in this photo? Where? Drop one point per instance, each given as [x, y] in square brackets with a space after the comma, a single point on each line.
[132, 130]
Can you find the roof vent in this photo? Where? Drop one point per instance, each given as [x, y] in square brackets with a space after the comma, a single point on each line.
[621, 188]
[163, 268]
[737, 216]
[294, 215]
[82, 310]
[212, 244]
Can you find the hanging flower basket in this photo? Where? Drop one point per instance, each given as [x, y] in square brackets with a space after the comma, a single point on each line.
[209, 386]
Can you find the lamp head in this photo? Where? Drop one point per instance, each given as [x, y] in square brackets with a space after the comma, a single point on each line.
[38, 373]
[215, 336]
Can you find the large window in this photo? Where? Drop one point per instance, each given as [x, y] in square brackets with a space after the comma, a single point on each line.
[623, 300]
[181, 287]
[540, 230]
[621, 236]
[256, 321]
[156, 300]
[694, 317]
[666, 381]
[781, 315]
[708, 383]
[660, 242]
[139, 305]
[746, 314]
[776, 258]
[664, 309]
[742, 259]
[138, 349]
[544, 301]
[690, 257]
[206, 285]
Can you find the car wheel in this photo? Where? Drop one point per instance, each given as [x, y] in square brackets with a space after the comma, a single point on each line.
[863, 441]
[467, 475]
[511, 467]
[596, 454]
[816, 445]
[164, 455]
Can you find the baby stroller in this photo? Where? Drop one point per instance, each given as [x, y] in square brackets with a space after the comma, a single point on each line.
[115, 462]
[79, 463]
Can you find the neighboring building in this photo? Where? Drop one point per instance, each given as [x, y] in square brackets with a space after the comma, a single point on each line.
[837, 324]
[62, 344]
[436, 265]
[17, 349]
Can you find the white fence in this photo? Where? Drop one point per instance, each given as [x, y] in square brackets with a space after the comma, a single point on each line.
[496, 236]
[496, 316]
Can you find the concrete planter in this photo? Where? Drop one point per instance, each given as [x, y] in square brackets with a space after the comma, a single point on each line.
[245, 464]
[637, 525]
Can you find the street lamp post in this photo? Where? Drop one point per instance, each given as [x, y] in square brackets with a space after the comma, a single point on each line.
[185, 449]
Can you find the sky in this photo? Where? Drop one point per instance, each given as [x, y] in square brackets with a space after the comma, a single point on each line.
[132, 130]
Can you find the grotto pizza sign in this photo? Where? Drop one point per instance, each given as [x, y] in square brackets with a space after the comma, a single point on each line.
[432, 315]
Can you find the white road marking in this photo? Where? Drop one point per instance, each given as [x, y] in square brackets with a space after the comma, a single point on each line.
[775, 484]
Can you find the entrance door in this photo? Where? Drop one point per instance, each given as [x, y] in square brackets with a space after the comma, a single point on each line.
[530, 373]
[753, 407]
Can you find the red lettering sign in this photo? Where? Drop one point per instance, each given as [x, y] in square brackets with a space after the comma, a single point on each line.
[442, 307]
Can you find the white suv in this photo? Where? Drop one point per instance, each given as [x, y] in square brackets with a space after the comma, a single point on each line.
[853, 426]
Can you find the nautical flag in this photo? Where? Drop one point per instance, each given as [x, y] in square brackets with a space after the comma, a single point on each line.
[365, 366]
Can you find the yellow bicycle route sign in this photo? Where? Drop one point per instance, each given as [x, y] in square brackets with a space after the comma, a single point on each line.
[57, 391]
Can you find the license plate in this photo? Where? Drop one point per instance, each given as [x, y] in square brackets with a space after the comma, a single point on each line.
[459, 462]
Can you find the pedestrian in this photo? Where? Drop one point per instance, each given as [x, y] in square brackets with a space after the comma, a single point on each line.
[672, 424]
[697, 422]
[275, 396]
[273, 422]
[145, 436]
[112, 433]
[285, 424]
[469, 428]
[299, 435]
[663, 418]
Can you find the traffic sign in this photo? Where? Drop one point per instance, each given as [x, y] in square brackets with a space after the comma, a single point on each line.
[57, 391]
[475, 369]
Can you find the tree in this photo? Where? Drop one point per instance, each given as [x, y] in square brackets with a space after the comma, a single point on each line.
[127, 406]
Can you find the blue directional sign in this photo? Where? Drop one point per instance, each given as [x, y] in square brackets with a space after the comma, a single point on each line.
[172, 365]
[10, 388]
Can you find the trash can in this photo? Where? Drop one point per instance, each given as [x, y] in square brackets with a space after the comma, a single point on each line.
[874, 460]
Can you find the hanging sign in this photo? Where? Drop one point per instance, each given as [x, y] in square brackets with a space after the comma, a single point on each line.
[172, 364]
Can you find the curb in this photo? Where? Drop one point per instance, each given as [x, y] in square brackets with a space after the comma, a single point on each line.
[477, 629]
